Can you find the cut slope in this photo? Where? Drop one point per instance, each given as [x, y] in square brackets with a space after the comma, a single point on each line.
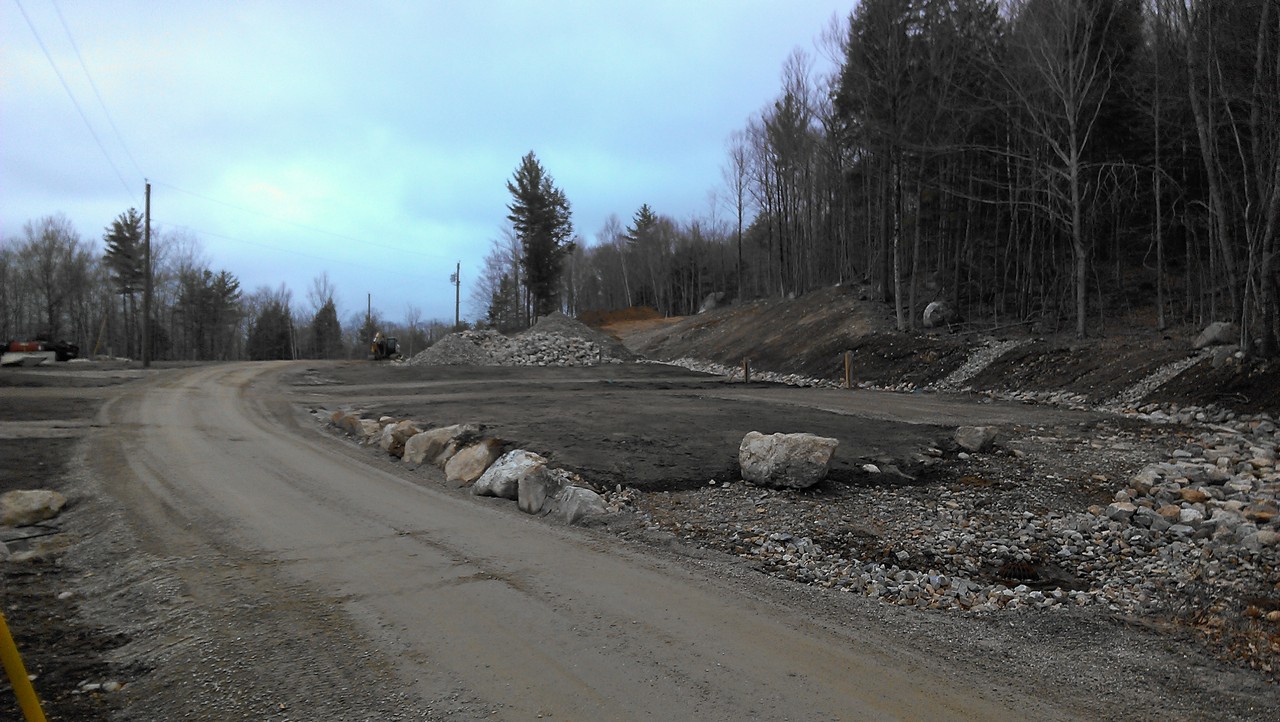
[809, 335]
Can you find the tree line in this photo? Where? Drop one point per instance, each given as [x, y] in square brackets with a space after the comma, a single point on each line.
[1058, 162]
[56, 284]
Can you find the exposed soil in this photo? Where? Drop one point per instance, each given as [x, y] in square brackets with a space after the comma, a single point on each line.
[665, 434]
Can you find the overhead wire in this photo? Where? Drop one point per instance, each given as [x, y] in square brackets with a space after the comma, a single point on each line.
[124, 146]
[101, 104]
[65, 86]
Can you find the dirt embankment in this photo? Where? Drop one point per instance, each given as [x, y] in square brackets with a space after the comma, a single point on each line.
[810, 335]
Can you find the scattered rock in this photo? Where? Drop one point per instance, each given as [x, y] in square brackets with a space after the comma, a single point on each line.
[24, 507]
[795, 461]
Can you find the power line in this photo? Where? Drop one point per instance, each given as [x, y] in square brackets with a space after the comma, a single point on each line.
[96, 93]
[76, 103]
[302, 226]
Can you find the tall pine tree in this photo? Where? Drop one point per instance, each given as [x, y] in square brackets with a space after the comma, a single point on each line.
[541, 217]
[125, 260]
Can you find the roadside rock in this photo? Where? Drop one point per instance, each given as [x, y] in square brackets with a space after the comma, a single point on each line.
[574, 503]
[23, 507]
[430, 443]
[975, 438]
[502, 479]
[536, 485]
[795, 461]
[470, 464]
[1218, 333]
[395, 435]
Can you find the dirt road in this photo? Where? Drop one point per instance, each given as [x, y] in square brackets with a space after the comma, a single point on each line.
[441, 597]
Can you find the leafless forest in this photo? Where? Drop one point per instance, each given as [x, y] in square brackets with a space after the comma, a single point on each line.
[1065, 163]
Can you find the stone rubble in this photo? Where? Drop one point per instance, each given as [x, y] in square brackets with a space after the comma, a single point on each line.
[1202, 525]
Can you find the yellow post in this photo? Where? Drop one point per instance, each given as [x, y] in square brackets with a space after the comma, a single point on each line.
[28, 702]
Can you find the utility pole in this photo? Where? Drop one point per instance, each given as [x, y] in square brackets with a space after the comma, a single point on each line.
[146, 288]
[457, 296]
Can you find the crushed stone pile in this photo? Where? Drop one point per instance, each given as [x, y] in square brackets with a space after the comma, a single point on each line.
[561, 325]
[556, 340]
[466, 348]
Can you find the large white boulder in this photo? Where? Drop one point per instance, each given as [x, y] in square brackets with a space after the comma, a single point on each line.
[794, 461]
[23, 507]
[502, 479]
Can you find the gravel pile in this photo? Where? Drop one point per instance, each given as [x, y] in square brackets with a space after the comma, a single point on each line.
[466, 348]
[554, 341]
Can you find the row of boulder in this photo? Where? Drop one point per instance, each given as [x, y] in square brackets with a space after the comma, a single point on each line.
[778, 461]
[470, 459]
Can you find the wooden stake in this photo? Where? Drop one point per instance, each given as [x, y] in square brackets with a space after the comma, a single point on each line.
[848, 369]
[746, 370]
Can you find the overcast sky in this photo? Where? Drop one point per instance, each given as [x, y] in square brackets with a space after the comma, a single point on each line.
[373, 140]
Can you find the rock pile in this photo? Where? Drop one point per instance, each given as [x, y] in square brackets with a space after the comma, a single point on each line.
[465, 348]
[555, 340]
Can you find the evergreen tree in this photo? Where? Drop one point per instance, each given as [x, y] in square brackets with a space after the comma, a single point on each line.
[269, 336]
[124, 258]
[541, 216]
[326, 332]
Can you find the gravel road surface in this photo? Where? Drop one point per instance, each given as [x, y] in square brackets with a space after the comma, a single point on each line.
[329, 588]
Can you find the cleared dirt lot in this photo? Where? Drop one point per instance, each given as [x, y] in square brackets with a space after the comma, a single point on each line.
[218, 573]
[658, 427]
